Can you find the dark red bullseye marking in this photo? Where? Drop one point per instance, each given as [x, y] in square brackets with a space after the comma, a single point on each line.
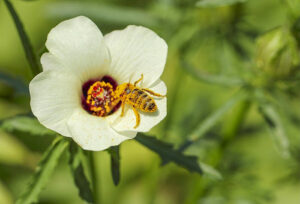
[98, 96]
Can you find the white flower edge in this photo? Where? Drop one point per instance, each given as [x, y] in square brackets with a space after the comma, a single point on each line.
[95, 134]
[53, 99]
[78, 52]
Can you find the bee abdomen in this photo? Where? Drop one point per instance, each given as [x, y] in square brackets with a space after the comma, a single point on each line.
[135, 96]
[148, 105]
[142, 101]
[151, 107]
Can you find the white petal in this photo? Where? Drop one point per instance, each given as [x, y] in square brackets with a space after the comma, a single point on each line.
[148, 120]
[79, 46]
[49, 62]
[54, 97]
[94, 133]
[134, 51]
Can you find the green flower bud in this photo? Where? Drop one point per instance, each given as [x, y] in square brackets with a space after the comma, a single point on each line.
[277, 54]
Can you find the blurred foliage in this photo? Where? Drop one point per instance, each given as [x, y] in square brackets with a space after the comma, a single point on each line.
[233, 106]
[43, 172]
[80, 178]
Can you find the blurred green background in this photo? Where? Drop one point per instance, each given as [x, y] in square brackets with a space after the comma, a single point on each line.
[217, 41]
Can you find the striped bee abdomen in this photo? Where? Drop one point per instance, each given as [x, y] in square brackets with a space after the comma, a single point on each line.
[142, 101]
[135, 95]
[148, 105]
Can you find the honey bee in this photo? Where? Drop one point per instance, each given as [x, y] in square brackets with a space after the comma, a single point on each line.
[138, 98]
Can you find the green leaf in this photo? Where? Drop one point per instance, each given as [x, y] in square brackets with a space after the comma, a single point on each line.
[80, 179]
[167, 153]
[217, 3]
[43, 172]
[210, 172]
[102, 12]
[17, 84]
[276, 128]
[30, 55]
[115, 163]
[25, 124]
[209, 78]
[212, 119]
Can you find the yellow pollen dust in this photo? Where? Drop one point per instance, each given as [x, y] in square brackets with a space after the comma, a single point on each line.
[100, 97]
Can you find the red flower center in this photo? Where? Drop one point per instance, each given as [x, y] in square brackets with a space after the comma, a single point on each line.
[98, 96]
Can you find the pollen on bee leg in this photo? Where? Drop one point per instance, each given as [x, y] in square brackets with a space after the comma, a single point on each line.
[98, 96]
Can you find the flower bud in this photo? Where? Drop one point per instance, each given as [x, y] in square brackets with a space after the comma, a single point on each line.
[277, 54]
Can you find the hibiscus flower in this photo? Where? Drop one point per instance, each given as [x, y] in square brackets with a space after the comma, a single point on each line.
[74, 92]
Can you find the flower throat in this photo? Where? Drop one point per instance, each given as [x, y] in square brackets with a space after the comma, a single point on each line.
[98, 96]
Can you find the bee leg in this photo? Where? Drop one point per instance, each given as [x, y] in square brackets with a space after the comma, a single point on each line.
[137, 116]
[123, 107]
[153, 93]
[135, 83]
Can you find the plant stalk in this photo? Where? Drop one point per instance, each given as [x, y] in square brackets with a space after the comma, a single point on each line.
[94, 177]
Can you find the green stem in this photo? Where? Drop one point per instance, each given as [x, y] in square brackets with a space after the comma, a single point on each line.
[94, 177]
[231, 129]
[115, 163]
[233, 125]
[210, 121]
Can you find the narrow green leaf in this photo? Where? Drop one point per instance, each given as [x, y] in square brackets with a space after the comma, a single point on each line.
[17, 84]
[210, 172]
[25, 124]
[276, 128]
[30, 55]
[167, 153]
[79, 176]
[209, 78]
[115, 163]
[217, 3]
[43, 172]
[212, 119]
